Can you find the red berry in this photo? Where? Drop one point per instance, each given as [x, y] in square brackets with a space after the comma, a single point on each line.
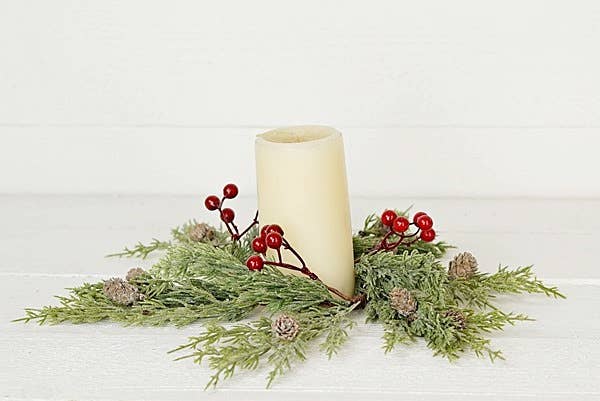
[259, 245]
[255, 262]
[428, 235]
[273, 240]
[424, 222]
[271, 228]
[417, 215]
[230, 191]
[276, 228]
[212, 202]
[227, 215]
[388, 217]
[264, 231]
[400, 225]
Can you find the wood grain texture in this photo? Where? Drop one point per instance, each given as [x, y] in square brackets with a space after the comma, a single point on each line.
[53, 242]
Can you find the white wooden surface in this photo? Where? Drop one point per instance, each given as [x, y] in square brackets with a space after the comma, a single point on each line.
[458, 103]
[409, 162]
[136, 96]
[52, 242]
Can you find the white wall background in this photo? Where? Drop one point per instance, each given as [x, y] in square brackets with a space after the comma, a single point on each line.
[441, 98]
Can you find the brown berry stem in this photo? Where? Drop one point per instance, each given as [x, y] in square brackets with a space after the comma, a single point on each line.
[396, 244]
[227, 215]
[235, 228]
[234, 234]
[284, 265]
[304, 270]
[360, 298]
[254, 222]
[384, 245]
[274, 239]
[287, 246]
[232, 227]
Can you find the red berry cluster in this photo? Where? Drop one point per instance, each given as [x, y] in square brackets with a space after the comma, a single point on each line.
[399, 225]
[272, 237]
[227, 215]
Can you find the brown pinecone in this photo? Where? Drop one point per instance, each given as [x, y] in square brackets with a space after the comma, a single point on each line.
[457, 318]
[134, 273]
[285, 327]
[121, 292]
[464, 265]
[202, 232]
[402, 300]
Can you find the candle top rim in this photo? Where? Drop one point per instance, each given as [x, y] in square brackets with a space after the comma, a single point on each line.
[298, 135]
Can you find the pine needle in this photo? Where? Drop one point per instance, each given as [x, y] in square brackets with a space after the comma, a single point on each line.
[208, 280]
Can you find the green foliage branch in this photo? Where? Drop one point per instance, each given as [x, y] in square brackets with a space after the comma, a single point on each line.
[206, 279]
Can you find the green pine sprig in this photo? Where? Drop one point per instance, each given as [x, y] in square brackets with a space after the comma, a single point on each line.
[141, 250]
[436, 294]
[481, 289]
[208, 280]
[245, 346]
[373, 231]
[179, 235]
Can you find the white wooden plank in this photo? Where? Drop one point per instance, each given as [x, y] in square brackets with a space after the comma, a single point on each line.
[268, 63]
[158, 212]
[98, 366]
[384, 162]
[66, 234]
[50, 242]
[552, 358]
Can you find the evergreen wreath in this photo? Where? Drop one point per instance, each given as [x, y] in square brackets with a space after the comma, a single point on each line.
[224, 276]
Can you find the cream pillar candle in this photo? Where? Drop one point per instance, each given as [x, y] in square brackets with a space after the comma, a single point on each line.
[301, 178]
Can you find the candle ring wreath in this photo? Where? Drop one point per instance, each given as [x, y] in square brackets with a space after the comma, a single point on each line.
[225, 275]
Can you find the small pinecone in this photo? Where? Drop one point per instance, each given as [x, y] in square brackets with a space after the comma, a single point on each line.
[285, 327]
[402, 300]
[134, 273]
[464, 265]
[202, 232]
[457, 318]
[121, 292]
